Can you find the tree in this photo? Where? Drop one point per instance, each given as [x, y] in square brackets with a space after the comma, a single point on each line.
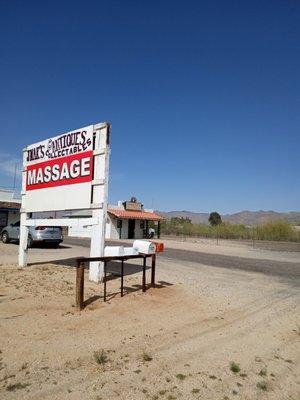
[214, 218]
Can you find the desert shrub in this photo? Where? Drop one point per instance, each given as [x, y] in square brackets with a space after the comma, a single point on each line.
[100, 357]
[234, 367]
[146, 356]
[276, 230]
[273, 230]
[223, 231]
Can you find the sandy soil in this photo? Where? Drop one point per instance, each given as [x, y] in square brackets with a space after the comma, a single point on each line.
[173, 342]
[272, 246]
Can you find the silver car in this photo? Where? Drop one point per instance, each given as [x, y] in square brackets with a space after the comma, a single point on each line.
[36, 234]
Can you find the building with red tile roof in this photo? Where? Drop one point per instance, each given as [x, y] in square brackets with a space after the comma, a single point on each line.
[126, 220]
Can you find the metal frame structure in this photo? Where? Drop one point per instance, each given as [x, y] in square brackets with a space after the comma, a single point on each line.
[80, 265]
[99, 196]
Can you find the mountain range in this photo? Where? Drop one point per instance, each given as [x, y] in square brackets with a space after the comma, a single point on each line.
[242, 217]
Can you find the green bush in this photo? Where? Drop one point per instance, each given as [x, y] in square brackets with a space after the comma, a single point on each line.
[273, 230]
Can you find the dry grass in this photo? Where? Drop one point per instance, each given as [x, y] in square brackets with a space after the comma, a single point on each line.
[100, 357]
[234, 367]
[146, 357]
[181, 377]
[263, 372]
[263, 385]
[16, 386]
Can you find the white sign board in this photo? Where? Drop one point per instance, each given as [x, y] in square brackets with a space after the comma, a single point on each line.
[59, 172]
[68, 172]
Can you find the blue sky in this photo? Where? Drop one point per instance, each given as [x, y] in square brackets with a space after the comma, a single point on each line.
[203, 97]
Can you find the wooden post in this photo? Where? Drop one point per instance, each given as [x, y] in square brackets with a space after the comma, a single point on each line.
[120, 228]
[144, 274]
[104, 280]
[99, 199]
[79, 285]
[23, 241]
[147, 229]
[122, 277]
[153, 264]
[158, 229]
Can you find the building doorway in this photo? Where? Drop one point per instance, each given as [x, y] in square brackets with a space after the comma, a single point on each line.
[3, 219]
[131, 228]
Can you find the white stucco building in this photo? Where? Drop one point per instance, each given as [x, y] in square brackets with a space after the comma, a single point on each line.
[126, 220]
[9, 207]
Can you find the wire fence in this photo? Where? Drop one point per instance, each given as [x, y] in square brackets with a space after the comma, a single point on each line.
[272, 231]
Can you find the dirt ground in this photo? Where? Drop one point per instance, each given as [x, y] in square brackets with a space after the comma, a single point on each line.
[234, 245]
[270, 250]
[177, 341]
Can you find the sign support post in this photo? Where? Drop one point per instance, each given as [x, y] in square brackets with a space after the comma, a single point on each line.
[23, 218]
[100, 193]
[23, 240]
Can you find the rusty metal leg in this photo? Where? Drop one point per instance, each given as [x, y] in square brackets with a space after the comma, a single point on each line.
[104, 281]
[122, 277]
[79, 285]
[153, 265]
[144, 274]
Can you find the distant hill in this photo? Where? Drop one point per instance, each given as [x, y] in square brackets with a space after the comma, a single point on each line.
[243, 217]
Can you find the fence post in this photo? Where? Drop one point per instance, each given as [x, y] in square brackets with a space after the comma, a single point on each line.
[79, 285]
[153, 265]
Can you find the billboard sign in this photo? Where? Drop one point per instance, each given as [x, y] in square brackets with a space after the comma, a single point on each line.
[68, 172]
[133, 206]
[59, 172]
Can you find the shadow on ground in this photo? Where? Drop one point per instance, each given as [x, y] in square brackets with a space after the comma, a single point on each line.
[113, 267]
[44, 245]
[127, 290]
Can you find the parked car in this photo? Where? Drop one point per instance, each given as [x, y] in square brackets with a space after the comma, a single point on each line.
[36, 234]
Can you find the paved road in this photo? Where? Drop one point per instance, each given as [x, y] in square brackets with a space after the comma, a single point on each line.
[289, 270]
